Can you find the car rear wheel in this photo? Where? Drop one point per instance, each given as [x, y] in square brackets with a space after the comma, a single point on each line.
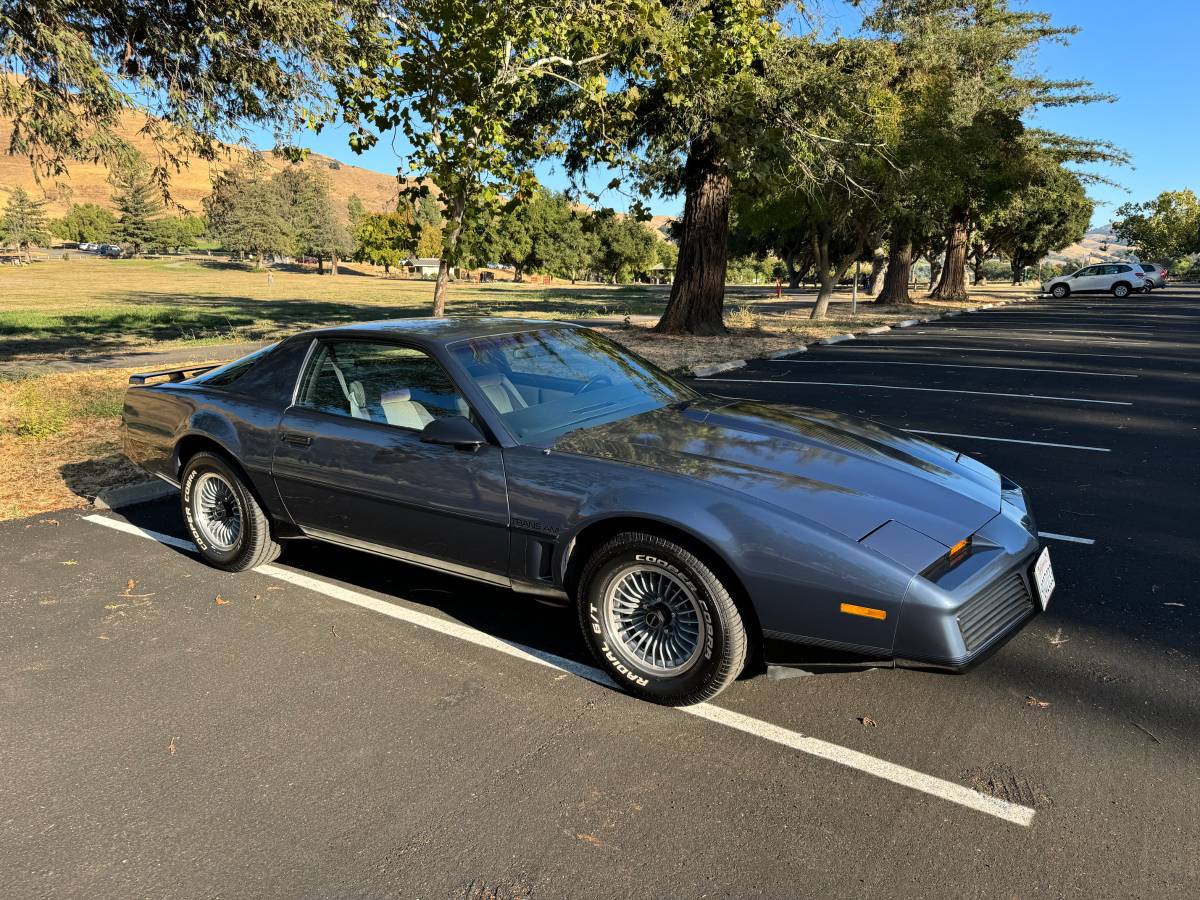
[1059, 291]
[1120, 290]
[660, 621]
[226, 522]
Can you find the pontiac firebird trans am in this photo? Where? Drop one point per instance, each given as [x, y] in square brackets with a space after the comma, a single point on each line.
[693, 533]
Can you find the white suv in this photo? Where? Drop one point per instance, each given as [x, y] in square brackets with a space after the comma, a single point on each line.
[1118, 279]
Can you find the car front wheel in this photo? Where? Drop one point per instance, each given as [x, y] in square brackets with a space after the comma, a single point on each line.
[1059, 291]
[226, 522]
[660, 621]
[1120, 291]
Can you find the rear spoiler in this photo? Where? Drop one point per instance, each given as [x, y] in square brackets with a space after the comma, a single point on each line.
[171, 374]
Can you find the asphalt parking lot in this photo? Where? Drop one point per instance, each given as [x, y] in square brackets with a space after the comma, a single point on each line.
[340, 725]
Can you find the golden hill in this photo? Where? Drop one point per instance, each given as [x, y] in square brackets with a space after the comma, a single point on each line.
[86, 183]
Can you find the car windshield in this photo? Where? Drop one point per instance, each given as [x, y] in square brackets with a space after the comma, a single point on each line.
[546, 383]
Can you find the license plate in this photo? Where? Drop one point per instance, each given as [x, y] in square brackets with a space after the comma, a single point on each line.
[1043, 577]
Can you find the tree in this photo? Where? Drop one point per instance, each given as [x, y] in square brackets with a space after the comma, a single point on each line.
[307, 211]
[544, 234]
[24, 222]
[69, 69]
[1165, 229]
[177, 232]
[243, 212]
[429, 228]
[624, 246]
[1051, 212]
[138, 204]
[964, 139]
[685, 115]
[384, 239]
[463, 82]
[355, 210]
[85, 222]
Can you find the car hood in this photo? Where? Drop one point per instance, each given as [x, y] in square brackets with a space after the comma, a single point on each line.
[848, 474]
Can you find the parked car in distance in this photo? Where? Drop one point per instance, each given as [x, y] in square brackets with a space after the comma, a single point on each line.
[1118, 279]
[1156, 275]
[691, 533]
[112, 251]
[87, 246]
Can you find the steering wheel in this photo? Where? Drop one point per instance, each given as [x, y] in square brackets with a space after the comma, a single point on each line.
[594, 381]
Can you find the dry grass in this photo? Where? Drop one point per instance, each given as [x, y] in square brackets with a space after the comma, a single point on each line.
[59, 440]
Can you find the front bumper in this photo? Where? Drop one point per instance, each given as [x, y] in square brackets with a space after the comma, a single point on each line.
[955, 619]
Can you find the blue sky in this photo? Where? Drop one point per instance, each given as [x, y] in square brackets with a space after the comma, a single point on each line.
[1145, 54]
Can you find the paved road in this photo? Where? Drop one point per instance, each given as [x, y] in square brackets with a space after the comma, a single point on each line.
[306, 732]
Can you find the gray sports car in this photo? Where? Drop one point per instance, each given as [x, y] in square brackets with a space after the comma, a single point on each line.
[693, 533]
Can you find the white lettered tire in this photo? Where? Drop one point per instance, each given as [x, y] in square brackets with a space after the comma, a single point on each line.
[660, 621]
[223, 517]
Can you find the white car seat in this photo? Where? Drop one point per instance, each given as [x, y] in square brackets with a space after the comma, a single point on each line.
[502, 393]
[399, 408]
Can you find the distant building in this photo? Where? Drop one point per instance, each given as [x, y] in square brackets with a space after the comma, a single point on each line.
[424, 266]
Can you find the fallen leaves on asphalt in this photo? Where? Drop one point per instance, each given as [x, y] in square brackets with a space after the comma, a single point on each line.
[868, 721]
[171, 747]
[69, 562]
[220, 601]
[1036, 703]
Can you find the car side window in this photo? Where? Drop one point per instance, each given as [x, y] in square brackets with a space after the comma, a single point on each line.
[1083, 273]
[1123, 269]
[379, 382]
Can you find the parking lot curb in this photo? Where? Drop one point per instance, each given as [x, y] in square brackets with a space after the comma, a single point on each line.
[908, 323]
[133, 494]
[878, 329]
[836, 339]
[704, 371]
[780, 354]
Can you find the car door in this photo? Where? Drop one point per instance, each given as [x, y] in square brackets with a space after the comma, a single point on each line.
[1086, 279]
[351, 467]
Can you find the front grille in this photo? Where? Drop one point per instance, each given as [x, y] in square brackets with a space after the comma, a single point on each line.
[993, 609]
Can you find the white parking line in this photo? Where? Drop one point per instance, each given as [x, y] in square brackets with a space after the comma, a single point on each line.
[1022, 337]
[888, 362]
[952, 349]
[843, 756]
[892, 387]
[1065, 537]
[980, 437]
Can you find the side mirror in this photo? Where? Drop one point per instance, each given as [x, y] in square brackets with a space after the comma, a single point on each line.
[454, 431]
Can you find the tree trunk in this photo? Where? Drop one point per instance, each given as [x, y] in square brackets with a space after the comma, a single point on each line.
[333, 264]
[980, 256]
[258, 259]
[518, 275]
[697, 301]
[789, 262]
[935, 268]
[449, 251]
[1017, 269]
[899, 269]
[953, 284]
[829, 272]
[878, 266]
[320, 265]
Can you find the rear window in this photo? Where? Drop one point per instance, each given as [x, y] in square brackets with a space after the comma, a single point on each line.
[1148, 267]
[231, 372]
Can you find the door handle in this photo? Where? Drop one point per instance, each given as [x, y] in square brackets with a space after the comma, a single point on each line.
[298, 440]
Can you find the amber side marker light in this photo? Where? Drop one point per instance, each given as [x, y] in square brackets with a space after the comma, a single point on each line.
[867, 611]
[959, 547]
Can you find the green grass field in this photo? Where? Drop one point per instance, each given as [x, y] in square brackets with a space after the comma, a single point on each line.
[86, 305]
